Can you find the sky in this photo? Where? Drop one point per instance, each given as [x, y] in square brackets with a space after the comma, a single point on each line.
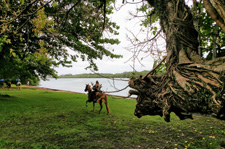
[108, 65]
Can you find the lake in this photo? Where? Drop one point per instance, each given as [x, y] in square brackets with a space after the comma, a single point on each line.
[78, 84]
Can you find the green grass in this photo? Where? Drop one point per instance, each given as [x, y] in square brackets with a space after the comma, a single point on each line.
[33, 118]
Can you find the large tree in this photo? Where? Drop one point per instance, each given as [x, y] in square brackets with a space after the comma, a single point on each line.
[190, 84]
[38, 35]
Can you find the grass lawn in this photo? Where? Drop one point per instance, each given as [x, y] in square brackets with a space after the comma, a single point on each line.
[33, 118]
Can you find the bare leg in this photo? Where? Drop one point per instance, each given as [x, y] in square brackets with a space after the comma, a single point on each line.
[98, 100]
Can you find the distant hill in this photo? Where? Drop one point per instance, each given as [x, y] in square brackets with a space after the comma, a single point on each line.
[105, 75]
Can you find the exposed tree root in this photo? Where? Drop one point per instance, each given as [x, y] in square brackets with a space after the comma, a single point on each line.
[193, 89]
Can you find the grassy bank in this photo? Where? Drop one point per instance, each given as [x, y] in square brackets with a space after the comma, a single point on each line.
[33, 118]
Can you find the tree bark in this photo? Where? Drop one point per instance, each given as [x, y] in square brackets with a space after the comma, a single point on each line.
[190, 84]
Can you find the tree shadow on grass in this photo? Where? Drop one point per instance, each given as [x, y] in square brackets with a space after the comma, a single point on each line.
[4, 95]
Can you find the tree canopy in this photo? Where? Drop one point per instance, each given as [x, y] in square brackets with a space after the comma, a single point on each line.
[38, 35]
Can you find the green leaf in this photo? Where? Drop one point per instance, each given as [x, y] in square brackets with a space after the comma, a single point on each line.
[13, 54]
[155, 63]
[8, 41]
[41, 43]
[54, 4]
[154, 32]
[22, 1]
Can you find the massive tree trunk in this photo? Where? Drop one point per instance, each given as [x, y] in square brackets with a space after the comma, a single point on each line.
[190, 84]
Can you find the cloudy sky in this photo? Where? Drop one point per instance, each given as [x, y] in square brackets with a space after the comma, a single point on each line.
[108, 65]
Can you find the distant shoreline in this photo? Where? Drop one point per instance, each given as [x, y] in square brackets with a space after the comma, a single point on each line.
[105, 75]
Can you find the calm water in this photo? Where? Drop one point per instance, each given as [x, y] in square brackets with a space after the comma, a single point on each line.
[78, 84]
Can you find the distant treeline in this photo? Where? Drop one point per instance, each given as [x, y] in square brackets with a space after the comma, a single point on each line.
[105, 75]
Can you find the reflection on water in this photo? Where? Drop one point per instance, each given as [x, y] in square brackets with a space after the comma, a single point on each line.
[78, 84]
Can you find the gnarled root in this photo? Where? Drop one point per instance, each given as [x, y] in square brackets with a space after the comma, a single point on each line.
[190, 89]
